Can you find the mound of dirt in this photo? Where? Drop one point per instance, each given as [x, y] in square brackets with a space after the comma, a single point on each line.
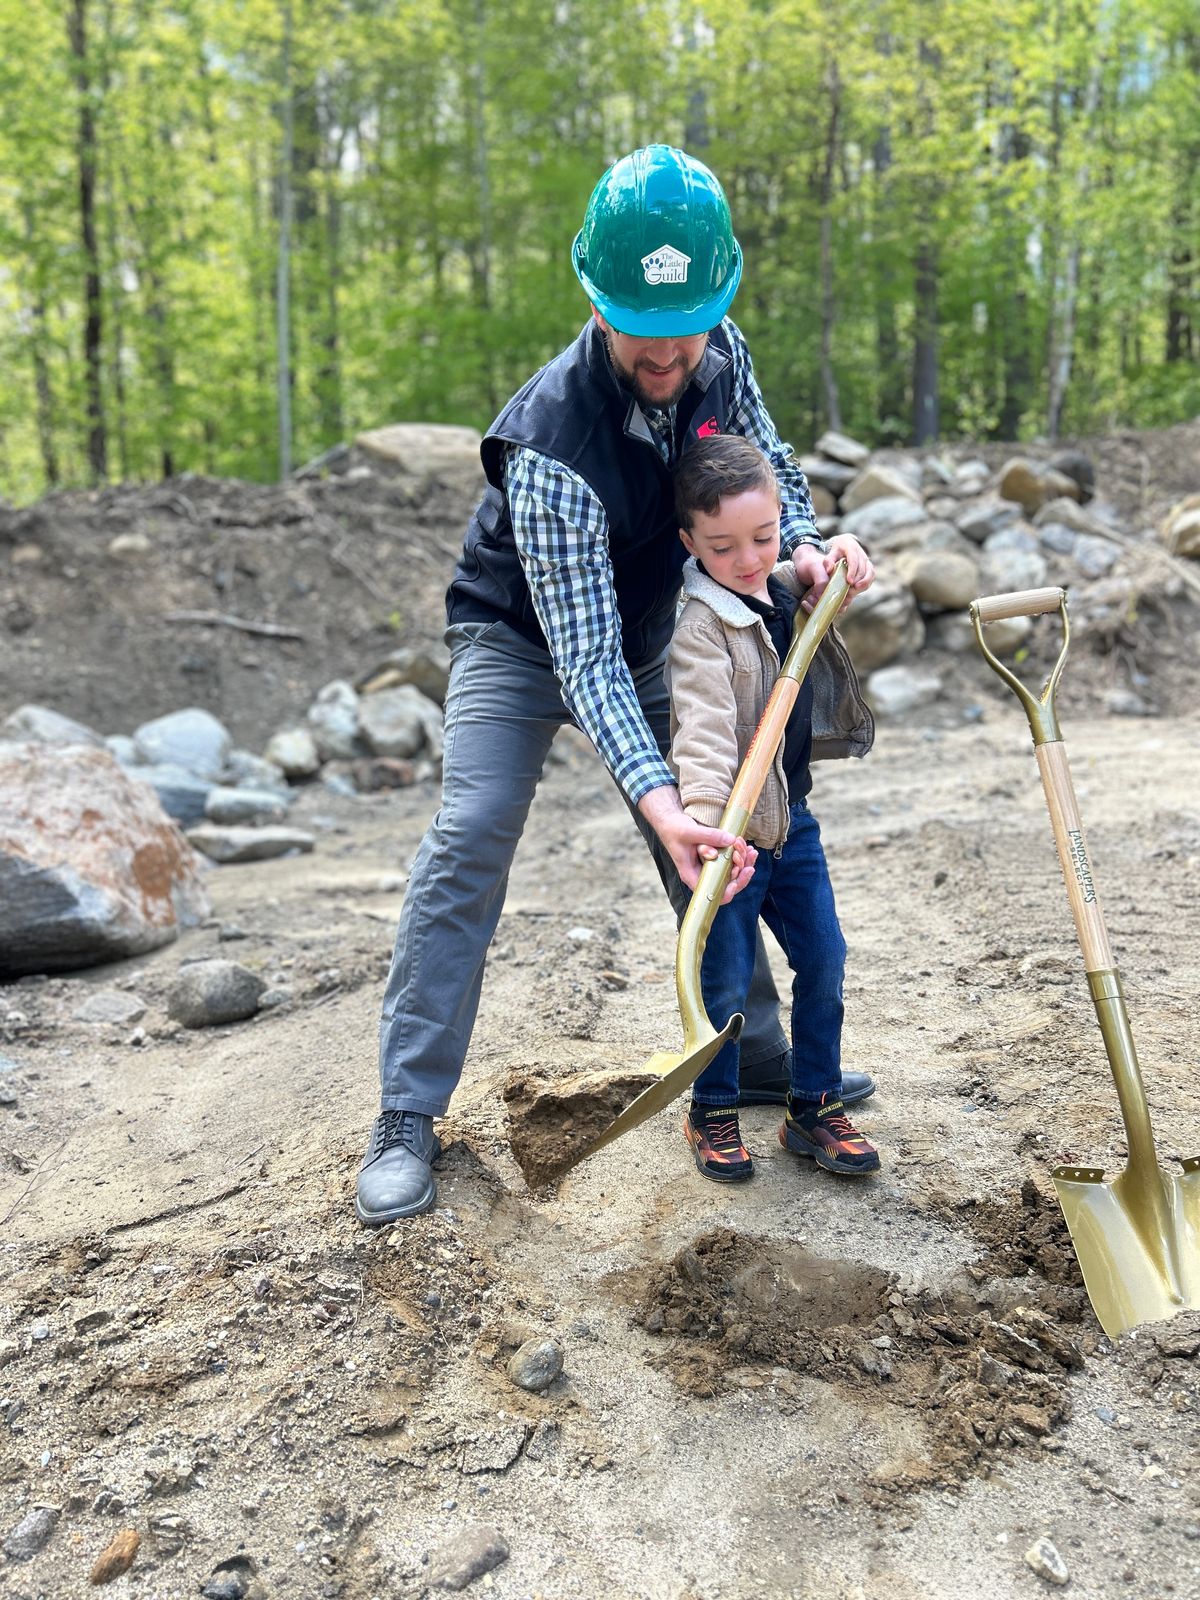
[551, 1124]
[977, 1384]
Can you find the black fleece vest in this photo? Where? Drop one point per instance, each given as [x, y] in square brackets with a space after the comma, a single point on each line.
[575, 411]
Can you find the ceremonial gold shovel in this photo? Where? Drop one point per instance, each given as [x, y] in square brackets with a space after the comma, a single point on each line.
[1137, 1236]
[676, 1072]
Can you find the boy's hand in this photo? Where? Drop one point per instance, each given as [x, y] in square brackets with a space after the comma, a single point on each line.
[690, 844]
[814, 568]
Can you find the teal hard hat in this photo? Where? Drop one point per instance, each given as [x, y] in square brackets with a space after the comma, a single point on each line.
[656, 254]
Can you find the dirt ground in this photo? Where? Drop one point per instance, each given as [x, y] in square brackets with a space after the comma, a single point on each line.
[801, 1387]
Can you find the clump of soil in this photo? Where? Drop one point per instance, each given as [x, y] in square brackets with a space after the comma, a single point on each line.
[1023, 1237]
[978, 1384]
[551, 1124]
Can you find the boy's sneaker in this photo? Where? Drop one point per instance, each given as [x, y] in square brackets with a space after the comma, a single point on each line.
[822, 1131]
[716, 1143]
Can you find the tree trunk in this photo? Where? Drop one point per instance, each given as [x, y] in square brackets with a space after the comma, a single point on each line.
[93, 329]
[283, 335]
[926, 413]
[1062, 344]
[829, 386]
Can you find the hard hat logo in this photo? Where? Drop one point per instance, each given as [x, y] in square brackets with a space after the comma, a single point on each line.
[666, 265]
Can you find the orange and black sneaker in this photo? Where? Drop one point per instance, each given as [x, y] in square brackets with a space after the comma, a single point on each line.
[716, 1143]
[822, 1131]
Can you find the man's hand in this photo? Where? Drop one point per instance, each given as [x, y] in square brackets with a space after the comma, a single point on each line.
[690, 844]
[815, 569]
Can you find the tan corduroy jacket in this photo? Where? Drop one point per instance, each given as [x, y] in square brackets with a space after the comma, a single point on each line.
[720, 671]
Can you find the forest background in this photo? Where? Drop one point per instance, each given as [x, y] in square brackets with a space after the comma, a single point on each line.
[235, 232]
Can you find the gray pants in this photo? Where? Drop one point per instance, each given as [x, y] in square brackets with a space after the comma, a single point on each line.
[503, 709]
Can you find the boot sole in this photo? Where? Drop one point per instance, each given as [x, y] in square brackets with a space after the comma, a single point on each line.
[798, 1146]
[778, 1097]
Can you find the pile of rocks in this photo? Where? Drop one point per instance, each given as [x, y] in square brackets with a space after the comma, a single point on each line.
[943, 532]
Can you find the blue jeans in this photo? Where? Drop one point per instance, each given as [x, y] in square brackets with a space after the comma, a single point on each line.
[792, 894]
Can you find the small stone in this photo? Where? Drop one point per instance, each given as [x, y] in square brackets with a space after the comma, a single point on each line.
[110, 1006]
[1045, 1560]
[32, 1532]
[470, 1554]
[118, 1557]
[39, 1331]
[536, 1365]
[207, 993]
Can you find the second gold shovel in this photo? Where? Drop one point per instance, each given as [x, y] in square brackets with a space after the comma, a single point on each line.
[1137, 1235]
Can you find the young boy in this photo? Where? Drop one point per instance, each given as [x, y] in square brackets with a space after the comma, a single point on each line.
[730, 640]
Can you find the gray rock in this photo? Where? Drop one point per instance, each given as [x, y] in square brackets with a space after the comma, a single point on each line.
[40, 725]
[31, 1533]
[1008, 571]
[182, 794]
[1079, 468]
[882, 516]
[192, 739]
[1070, 514]
[536, 1364]
[124, 749]
[895, 691]
[400, 722]
[878, 482]
[272, 999]
[208, 993]
[1125, 703]
[1044, 1559]
[1017, 536]
[1005, 638]
[982, 518]
[1057, 537]
[840, 447]
[940, 579]
[831, 475]
[465, 1557]
[951, 631]
[882, 624]
[236, 806]
[111, 1006]
[294, 752]
[229, 844]
[1095, 556]
[333, 718]
[245, 770]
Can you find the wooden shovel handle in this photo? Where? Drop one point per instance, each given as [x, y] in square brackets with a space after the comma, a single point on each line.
[1073, 855]
[1021, 603]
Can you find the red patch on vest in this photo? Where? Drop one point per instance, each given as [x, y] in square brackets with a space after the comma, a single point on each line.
[707, 429]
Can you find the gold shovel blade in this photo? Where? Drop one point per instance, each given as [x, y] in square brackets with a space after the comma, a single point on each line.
[675, 1074]
[1138, 1244]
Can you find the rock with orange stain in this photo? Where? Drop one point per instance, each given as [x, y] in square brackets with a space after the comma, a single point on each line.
[117, 1557]
[91, 867]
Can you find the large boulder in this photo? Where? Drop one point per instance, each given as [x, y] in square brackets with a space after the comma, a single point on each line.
[294, 751]
[400, 722]
[881, 518]
[91, 869]
[840, 447]
[424, 454]
[981, 518]
[895, 691]
[832, 475]
[192, 739]
[878, 482]
[941, 580]
[333, 719]
[1031, 484]
[882, 624]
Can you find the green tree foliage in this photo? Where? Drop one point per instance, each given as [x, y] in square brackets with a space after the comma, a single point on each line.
[955, 221]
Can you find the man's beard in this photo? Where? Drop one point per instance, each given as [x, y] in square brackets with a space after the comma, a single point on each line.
[656, 402]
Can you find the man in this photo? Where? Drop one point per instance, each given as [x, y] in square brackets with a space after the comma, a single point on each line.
[561, 609]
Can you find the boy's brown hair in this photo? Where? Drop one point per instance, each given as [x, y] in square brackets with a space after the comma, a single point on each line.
[726, 463]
